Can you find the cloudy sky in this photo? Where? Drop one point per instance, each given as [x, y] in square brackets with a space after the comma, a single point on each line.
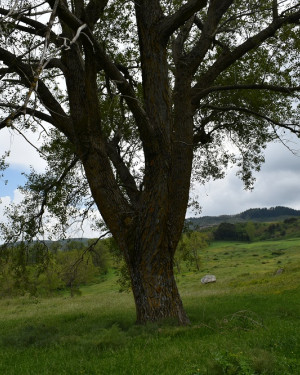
[278, 183]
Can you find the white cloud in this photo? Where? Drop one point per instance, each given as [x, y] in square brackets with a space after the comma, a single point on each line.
[22, 154]
[277, 184]
[4, 201]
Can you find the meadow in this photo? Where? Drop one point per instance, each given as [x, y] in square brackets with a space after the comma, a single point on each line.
[246, 323]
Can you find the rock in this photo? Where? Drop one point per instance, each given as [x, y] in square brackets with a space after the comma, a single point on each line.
[208, 279]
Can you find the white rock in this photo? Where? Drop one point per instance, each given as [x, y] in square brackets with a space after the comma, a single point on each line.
[208, 279]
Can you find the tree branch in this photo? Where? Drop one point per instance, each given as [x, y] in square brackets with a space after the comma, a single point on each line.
[177, 19]
[38, 27]
[48, 189]
[126, 177]
[23, 111]
[275, 9]
[105, 63]
[77, 7]
[214, 14]
[60, 118]
[178, 43]
[4, 71]
[55, 63]
[227, 58]
[93, 11]
[291, 127]
[285, 90]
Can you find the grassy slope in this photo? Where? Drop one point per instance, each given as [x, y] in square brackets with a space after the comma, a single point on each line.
[246, 323]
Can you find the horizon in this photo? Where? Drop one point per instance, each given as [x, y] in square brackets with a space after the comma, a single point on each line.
[248, 209]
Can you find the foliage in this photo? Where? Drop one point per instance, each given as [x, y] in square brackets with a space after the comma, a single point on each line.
[42, 271]
[76, 269]
[264, 213]
[250, 231]
[3, 163]
[100, 254]
[226, 231]
[119, 264]
[189, 250]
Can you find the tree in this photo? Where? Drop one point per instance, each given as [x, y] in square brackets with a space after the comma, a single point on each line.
[250, 230]
[226, 231]
[188, 249]
[137, 95]
[196, 242]
[76, 269]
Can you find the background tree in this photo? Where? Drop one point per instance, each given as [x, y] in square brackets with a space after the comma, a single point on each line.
[226, 231]
[137, 94]
[76, 269]
[250, 230]
[196, 242]
[189, 248]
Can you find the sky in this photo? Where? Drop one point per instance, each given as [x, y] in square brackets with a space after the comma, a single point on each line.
[277, 184]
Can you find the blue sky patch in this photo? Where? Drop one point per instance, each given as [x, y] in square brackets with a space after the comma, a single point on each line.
[12, 178]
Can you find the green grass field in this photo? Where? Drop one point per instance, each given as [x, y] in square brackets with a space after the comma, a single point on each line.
[248, 322]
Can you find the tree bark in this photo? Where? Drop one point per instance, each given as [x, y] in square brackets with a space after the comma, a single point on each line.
[153, 284]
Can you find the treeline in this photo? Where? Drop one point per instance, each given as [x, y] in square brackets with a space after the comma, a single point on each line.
[255, 231]
[266, 213]
[44, 270]
[277, 213]
[51, 268]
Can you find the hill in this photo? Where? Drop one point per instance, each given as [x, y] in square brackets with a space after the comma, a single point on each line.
[277, 213]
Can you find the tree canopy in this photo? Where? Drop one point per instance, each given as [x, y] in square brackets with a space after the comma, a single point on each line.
[134, 99]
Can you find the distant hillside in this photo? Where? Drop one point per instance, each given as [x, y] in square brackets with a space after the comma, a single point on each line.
[68, 243]
[253, 214]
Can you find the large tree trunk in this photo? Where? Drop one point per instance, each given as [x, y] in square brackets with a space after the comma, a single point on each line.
[153, 284]
[155, 293]
[151, 247]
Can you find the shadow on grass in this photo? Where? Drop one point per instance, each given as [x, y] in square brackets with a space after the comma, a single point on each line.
[31, 335]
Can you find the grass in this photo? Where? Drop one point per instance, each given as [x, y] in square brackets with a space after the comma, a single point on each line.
[248, 322]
